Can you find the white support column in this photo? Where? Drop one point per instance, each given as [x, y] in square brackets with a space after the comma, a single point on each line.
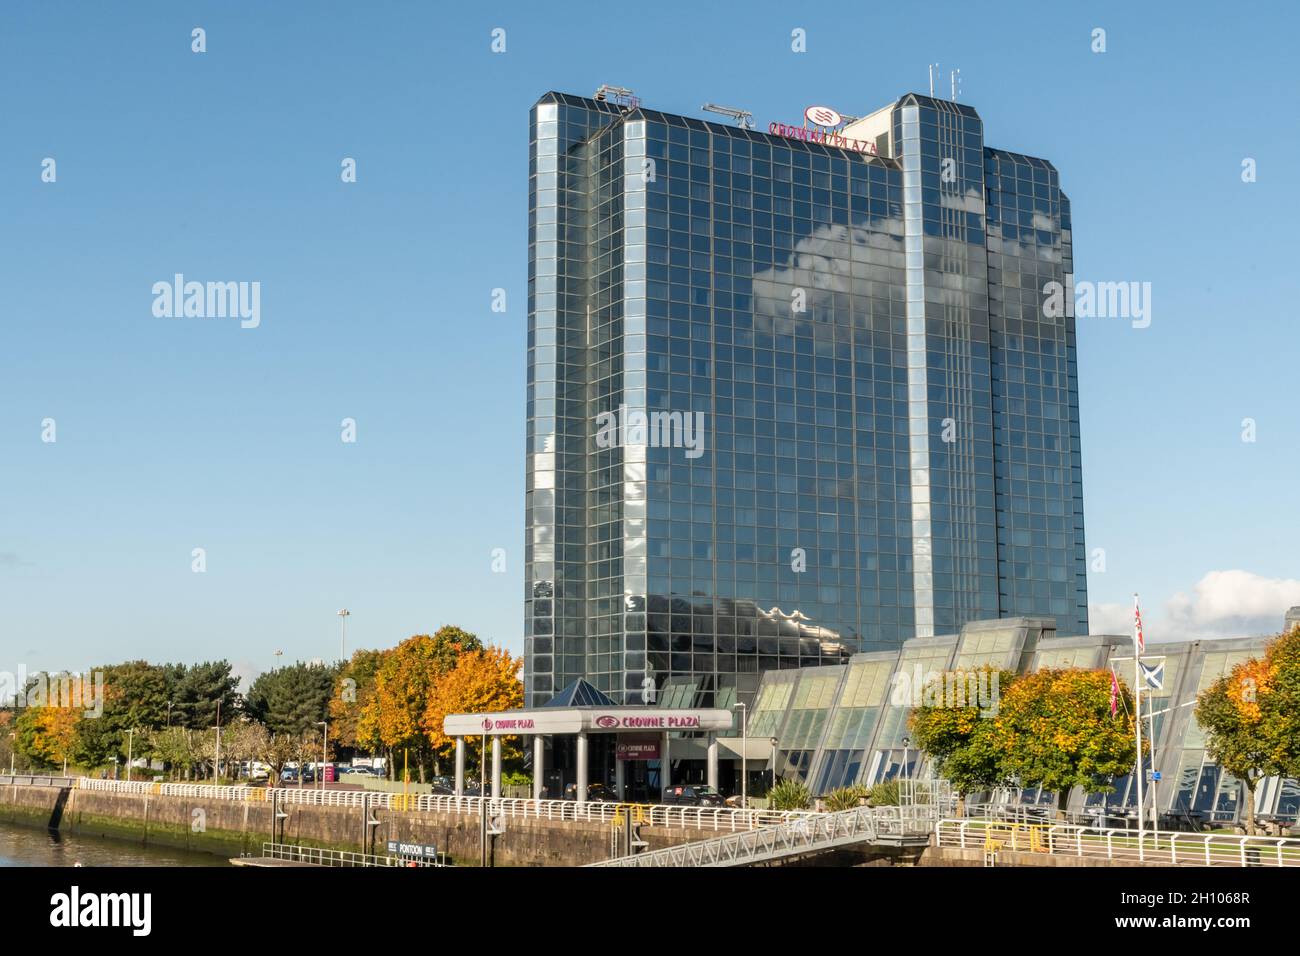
[713, 761]
[460, 766]
[665, 766]
[582, 767]
[539, 765]
[619, 779]
[496, 768]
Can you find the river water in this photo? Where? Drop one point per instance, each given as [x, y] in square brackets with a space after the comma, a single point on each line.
[32, 846]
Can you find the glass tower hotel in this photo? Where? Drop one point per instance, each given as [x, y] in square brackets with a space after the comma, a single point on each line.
[889, 433]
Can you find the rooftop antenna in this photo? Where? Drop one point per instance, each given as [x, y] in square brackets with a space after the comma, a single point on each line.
[744, 118]
[955, 77]
[933, 68]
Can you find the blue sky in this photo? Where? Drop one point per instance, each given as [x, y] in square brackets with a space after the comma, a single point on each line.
[225, 165]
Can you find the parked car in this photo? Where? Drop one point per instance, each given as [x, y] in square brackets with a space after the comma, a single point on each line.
[693, 795]
[596, 793]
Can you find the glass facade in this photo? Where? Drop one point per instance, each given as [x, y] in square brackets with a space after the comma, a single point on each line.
[847, 724]
[885, 426]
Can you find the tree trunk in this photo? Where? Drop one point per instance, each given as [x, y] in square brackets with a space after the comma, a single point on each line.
[1249, 786]
[961, 804]
[1063, 802]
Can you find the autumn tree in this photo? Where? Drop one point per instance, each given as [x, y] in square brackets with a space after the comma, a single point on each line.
[354, 689]
[1283, 700]
[481, 682]
[47, 736]
[403, 684]
[960, 736]
[1251, 718]
[1055, 729]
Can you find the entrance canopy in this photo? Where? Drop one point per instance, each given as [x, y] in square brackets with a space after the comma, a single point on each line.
[576, 720]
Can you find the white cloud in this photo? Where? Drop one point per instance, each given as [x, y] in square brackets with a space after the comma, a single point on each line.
[1221, 604]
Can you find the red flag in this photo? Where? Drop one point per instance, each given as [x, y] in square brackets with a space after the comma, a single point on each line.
[1114, 694]
[1137, 627]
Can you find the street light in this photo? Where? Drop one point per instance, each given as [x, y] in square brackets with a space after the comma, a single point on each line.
[744, 738]
[907, 772]
[130, 740]
[343, 640]
[324, 750]
[12, 749]
[216, 766]
[774, 742]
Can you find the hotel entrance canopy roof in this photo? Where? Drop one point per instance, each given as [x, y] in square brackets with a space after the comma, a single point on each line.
[574, 720]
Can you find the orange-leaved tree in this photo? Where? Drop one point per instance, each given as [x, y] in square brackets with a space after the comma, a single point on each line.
[1055, 729]
[481, 682]
[403, 684]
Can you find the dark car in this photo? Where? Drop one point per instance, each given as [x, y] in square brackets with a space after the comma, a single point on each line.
[693, 795]
[596, 793]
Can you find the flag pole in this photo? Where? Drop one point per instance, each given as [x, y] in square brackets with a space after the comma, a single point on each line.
[1137, 723]
[1151, 742]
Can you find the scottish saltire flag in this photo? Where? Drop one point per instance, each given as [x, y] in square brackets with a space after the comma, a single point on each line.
[1153, 675]
[1114, 694]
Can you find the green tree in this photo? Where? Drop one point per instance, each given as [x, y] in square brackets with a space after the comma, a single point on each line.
[174, 746]
[291, 700]
[194, 691]
[1055, 730]
[135, 698]
[962, 740]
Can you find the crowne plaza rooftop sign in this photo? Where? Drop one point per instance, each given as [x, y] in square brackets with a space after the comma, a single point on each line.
[824, 136]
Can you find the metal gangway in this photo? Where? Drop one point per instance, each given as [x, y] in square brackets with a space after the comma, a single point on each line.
[816, 833]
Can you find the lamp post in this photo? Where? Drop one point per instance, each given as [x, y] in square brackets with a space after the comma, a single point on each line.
[744, 770]
[344, 614]
[13, 747]
[324, 750]
[130, 741]
[774, 758]
[216, 766]
[278, 655]
[907, 770]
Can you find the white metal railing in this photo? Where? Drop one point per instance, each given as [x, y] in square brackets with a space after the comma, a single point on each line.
[655, 815]
[1165, 847]
[797, 837]
[317, 856]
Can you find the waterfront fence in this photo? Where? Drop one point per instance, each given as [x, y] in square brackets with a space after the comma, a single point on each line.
[1164, 847]
[655, 815]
